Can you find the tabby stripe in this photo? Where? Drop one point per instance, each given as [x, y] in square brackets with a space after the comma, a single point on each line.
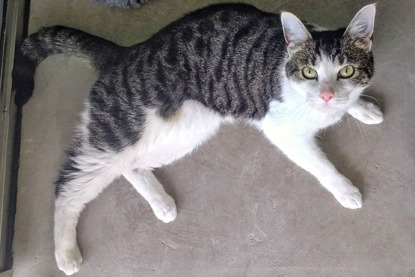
[243, 32]
[128, 91]
[256, 44]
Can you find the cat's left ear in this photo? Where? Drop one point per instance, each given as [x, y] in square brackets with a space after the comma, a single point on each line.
[295, 32]
[362, 26]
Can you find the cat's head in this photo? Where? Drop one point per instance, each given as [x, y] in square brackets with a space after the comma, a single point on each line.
[330, 68]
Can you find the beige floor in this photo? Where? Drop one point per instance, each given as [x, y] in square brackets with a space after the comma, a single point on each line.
[244, 209]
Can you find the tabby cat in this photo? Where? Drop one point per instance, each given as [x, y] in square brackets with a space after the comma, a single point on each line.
[156, 101]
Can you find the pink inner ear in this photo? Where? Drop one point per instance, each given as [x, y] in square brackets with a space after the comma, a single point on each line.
[327, 95]
[286, 36]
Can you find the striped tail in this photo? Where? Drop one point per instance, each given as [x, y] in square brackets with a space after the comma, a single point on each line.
[59, 40]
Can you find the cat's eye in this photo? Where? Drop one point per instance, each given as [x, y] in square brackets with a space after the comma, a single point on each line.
[346, 72]
[309, 73]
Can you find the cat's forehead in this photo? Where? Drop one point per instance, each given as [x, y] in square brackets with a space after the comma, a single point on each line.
[331, 60]
[328, 48]
[327, 66]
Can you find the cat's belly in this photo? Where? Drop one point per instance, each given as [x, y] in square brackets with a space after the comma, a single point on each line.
[166, 140]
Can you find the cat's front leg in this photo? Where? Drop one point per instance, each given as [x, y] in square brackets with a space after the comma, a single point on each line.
[343, 190]
[304, 151]
[366, 112]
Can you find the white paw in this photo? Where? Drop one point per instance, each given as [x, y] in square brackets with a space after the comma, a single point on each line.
[349, 196]
[69, 260]
[367, 113]
[165, 209]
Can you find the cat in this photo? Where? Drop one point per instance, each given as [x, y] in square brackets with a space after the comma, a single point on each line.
[126, 4]
[156, 101]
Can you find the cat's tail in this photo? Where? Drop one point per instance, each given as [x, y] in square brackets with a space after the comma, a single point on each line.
[59, 40]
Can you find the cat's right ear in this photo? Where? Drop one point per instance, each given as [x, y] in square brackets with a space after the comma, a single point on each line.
[295, 33]
[362, 26]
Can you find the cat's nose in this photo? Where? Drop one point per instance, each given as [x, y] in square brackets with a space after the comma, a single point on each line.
[327, 95]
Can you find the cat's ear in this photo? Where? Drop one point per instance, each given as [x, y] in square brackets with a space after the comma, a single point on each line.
[362, 26]
[295, 33]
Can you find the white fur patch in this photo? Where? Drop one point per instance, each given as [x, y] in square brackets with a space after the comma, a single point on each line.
[164, 141]
[366, 112]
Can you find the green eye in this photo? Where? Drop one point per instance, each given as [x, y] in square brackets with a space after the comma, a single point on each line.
[346, 72]
[309, 73]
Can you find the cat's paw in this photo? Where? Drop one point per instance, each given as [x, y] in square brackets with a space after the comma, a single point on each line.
[367, 113]
[349, 196]
[165, 209]
[69, 260]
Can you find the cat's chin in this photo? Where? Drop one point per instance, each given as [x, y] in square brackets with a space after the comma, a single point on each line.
[327, 108]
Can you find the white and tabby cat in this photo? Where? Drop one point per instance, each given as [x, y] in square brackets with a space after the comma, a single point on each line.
[156, 101]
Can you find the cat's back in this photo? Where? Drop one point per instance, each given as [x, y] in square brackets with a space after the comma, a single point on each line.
[221, 19]
[225, 56]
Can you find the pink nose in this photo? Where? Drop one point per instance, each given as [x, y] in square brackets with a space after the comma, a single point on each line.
[327, 95]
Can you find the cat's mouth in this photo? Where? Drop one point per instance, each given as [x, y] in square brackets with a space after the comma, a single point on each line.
[333, 105]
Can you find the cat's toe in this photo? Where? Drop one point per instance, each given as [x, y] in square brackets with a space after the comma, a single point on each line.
[165, 210]
[367, 113]
[350, 198]
[69, 261]
[371, 114]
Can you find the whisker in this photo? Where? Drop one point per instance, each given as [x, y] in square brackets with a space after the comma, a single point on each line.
[364, 131]
[348, 122]
[360, 129]
[371, 97]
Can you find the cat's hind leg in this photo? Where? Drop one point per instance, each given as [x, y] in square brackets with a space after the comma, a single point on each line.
[164, 141]
[150, 188]
[81, 179]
